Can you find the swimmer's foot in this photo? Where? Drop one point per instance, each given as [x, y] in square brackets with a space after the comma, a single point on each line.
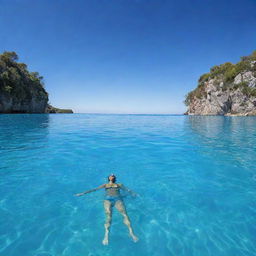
[105, 240]
[134, 238]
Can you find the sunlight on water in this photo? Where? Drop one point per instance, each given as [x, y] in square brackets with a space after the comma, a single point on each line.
[195, 176]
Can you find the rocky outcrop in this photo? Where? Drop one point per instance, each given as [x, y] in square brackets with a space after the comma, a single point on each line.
[229, 89]
[22, 91]
[52, 110]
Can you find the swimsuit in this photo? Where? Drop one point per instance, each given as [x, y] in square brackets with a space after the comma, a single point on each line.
[113, 198]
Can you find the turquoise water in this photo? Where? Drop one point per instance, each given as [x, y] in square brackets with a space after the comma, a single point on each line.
[195, 176]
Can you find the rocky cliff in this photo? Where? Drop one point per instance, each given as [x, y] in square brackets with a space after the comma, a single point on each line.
[21, 91]
[228, 89]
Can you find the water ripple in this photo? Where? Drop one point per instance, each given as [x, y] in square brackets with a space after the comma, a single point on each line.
[195, 177]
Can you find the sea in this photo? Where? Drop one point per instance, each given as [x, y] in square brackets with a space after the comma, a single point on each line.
[194, 176]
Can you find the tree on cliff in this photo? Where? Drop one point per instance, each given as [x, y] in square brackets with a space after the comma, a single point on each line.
[17, 82]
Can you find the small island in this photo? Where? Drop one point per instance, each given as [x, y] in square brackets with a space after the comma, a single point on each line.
[22, 91]
[228, 89]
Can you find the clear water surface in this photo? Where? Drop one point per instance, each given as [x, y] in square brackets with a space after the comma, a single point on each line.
[195, 176]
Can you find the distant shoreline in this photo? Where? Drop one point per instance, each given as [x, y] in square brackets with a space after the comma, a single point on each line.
[124, 114]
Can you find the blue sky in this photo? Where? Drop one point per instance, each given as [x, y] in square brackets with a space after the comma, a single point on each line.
[125, 56]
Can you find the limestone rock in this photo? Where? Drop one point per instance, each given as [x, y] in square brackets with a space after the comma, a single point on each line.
[246, 77]
[229, 89]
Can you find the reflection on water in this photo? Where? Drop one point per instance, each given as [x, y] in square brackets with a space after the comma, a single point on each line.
[22, 129]
[233, 137]
[195, 177]
[23, 137]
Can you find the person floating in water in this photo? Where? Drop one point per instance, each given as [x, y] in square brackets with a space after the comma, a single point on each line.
[113, 198]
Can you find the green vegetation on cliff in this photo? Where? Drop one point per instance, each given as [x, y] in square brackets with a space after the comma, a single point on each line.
[226, 73]
[50, 109]
[16, 81]
[22, 91]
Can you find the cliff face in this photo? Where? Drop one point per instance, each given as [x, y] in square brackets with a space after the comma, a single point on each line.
[229, 89]
[22, 91]
[12, 104]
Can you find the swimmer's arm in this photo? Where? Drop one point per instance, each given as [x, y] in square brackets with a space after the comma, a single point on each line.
[89, 191]
[128, 190]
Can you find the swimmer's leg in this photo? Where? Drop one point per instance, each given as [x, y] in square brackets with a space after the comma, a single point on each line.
[121, 208]
[108, 212]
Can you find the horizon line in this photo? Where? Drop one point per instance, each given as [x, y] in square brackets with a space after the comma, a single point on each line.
[102, 113]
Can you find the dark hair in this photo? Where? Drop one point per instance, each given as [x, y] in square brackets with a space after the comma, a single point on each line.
[112, 176]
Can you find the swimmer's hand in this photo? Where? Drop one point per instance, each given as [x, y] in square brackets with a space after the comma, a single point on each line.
[79, 194]
[133, 194]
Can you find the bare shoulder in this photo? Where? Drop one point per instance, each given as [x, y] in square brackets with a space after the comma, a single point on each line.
[103, 185]
[120, 185]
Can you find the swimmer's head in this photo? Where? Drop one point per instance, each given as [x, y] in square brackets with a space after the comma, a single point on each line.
[112, 178]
